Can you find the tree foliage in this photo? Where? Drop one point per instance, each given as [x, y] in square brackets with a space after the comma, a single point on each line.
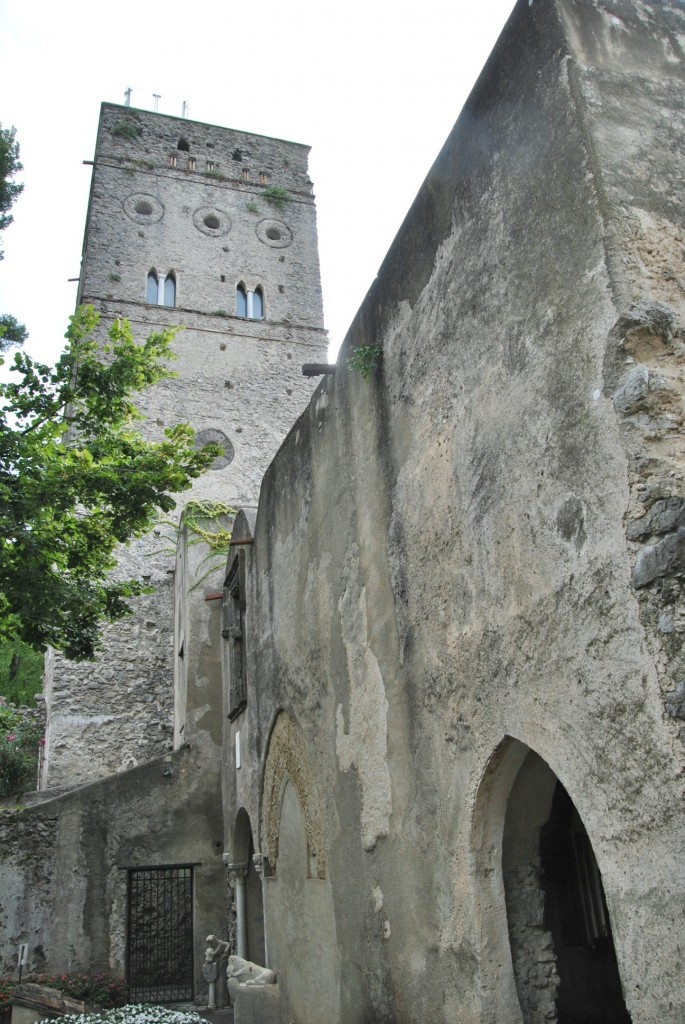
[11, 331]
[21, 672]
[76, 480]
[9, 166]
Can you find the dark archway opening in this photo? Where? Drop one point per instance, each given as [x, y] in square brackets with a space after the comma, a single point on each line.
[562, 950]
[576, 915]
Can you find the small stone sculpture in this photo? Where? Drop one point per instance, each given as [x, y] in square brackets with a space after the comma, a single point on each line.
[244, 972]
[216, 950]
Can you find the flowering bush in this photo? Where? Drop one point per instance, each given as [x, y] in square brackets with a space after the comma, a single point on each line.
[7, 988]
[138, 1014]
[19, 742]
[98, 989]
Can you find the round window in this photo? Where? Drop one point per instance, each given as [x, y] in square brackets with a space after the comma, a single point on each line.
[143, 208]
[210, 220]
[203, 437]
[274, 233]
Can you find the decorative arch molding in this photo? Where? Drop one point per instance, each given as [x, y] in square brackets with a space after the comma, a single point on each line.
[287, 760]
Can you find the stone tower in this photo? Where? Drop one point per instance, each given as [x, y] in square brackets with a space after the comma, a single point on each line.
[215, 230]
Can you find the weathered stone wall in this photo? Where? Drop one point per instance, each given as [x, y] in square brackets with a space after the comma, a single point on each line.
[63, 888]
[441, 581]
[238, 380]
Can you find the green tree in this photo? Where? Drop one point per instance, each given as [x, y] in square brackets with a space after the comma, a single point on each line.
[76, 480]
[21, 672]
[11, 331]
[9, 166]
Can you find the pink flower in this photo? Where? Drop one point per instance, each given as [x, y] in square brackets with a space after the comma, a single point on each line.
[11, 737]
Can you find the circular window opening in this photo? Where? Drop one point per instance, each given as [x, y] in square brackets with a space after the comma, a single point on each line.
[143, 208]
[274, 234]
[212, 222]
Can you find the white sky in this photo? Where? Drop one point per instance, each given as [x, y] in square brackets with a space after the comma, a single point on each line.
[374, 87]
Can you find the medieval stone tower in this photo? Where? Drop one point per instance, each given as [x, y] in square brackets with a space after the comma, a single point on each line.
[214, 230]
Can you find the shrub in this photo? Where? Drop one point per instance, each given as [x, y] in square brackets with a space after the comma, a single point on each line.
[276, 196]
[7, 988]
[364, 359]
[98, 989]
[21, 672]
[126, 130]
[19, 743]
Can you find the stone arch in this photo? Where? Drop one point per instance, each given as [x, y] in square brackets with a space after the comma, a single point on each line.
[287, 760]
[247, 884]
[550, 956]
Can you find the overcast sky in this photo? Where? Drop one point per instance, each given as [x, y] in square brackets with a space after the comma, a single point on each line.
[373, 86]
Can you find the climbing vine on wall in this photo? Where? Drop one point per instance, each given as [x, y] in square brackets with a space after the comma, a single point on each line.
[204, 520]
[206, 523]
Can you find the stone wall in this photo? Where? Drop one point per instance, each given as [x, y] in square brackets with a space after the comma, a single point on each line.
[441, 580]
[62, 878]
[64, 857]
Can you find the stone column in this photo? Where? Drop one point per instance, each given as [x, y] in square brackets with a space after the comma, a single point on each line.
[238, 875]
[258, 861]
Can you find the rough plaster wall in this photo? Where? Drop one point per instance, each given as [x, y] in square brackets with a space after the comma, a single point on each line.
[483, 478]
[363, 744]
[236, 376]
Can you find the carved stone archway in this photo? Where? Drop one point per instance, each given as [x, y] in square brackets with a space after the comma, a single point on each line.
[287, 761]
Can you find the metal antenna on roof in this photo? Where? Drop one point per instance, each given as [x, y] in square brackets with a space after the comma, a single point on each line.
[157, 97]
[127, 95]
[184, 109]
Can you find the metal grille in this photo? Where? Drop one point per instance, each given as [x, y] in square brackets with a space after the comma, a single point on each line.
[160, 934]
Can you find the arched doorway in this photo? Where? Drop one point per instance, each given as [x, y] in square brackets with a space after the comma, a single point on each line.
[249, 898]
[562, 948]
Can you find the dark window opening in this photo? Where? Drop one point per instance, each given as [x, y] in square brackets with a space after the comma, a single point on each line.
[152, 288]
[170, 290]
[234, 632]
[183, 145]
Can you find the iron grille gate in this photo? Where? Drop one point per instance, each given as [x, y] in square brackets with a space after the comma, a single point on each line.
[160, 934]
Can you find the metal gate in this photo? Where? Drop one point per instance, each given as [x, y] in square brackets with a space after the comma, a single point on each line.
[160, 934]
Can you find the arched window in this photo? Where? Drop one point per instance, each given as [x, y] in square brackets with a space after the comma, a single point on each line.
[170, 290]
[240, 301]
[258, 304]
[152, 289]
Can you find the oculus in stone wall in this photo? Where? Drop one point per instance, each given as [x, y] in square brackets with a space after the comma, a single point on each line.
[210, 220]
[213, 436]
[143, 208]
[274, 233]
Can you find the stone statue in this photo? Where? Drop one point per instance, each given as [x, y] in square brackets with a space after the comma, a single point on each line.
[216, 950]
[244, 972]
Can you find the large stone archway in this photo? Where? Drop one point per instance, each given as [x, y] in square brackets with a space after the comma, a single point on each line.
[550, 957]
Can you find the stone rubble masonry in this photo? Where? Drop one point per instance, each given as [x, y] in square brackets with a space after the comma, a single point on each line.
[239, 377]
